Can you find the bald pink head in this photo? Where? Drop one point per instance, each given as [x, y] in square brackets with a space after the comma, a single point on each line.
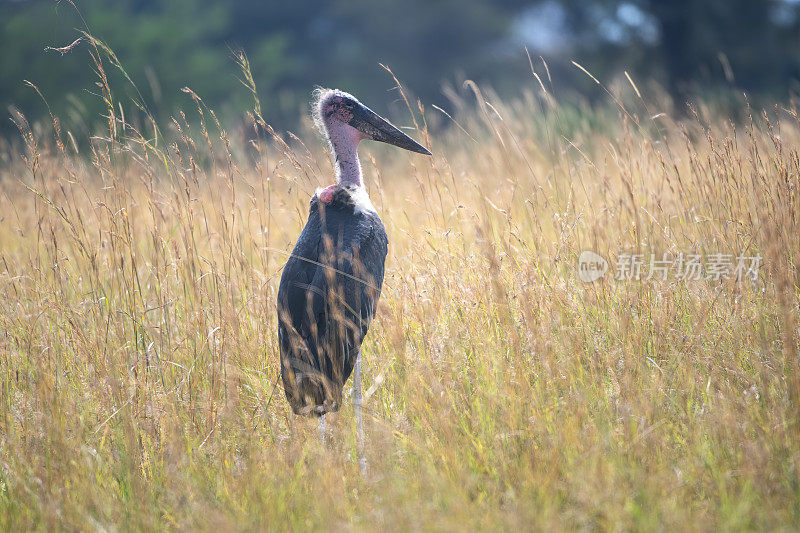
[345, 122]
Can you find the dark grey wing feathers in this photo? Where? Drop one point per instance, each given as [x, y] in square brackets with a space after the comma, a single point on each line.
[326, 301]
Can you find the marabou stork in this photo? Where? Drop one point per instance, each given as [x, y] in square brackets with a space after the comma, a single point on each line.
[330, 285]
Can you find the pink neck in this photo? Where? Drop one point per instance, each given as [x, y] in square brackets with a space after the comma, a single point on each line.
[344, 142]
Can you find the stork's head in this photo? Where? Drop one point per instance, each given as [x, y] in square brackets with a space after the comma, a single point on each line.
[338, 111]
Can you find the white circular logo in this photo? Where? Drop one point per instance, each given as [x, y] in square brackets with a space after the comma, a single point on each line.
[591, 266]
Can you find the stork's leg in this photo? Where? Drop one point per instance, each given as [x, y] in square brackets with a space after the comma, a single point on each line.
[357, 401]
[322, 429]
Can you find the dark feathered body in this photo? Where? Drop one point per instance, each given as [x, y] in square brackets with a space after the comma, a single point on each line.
[328, 294]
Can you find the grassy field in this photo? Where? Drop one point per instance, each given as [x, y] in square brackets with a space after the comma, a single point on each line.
[138, 355]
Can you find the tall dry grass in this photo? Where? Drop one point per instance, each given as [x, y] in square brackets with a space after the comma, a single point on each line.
[139, 381]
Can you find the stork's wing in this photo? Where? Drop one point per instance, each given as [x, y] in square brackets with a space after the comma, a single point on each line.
[352, 291]
[329, 292]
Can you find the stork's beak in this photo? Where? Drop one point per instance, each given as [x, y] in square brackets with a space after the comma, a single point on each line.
[377, 128]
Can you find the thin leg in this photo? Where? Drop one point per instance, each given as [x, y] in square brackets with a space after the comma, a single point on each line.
[357, 401]
[322, 429]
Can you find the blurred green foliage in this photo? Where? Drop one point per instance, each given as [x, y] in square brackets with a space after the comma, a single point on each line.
[292, 46]
[685, 45]
[691, 44]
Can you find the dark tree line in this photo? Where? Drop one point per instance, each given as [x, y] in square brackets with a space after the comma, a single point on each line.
[750, 44]
[688, 45]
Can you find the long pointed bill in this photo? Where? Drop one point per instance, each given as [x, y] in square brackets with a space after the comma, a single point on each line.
[377, 128]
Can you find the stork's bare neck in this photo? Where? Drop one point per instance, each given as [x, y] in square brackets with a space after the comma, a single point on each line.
[344, 143]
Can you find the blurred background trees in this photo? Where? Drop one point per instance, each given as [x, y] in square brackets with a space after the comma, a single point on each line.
[689, 46]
